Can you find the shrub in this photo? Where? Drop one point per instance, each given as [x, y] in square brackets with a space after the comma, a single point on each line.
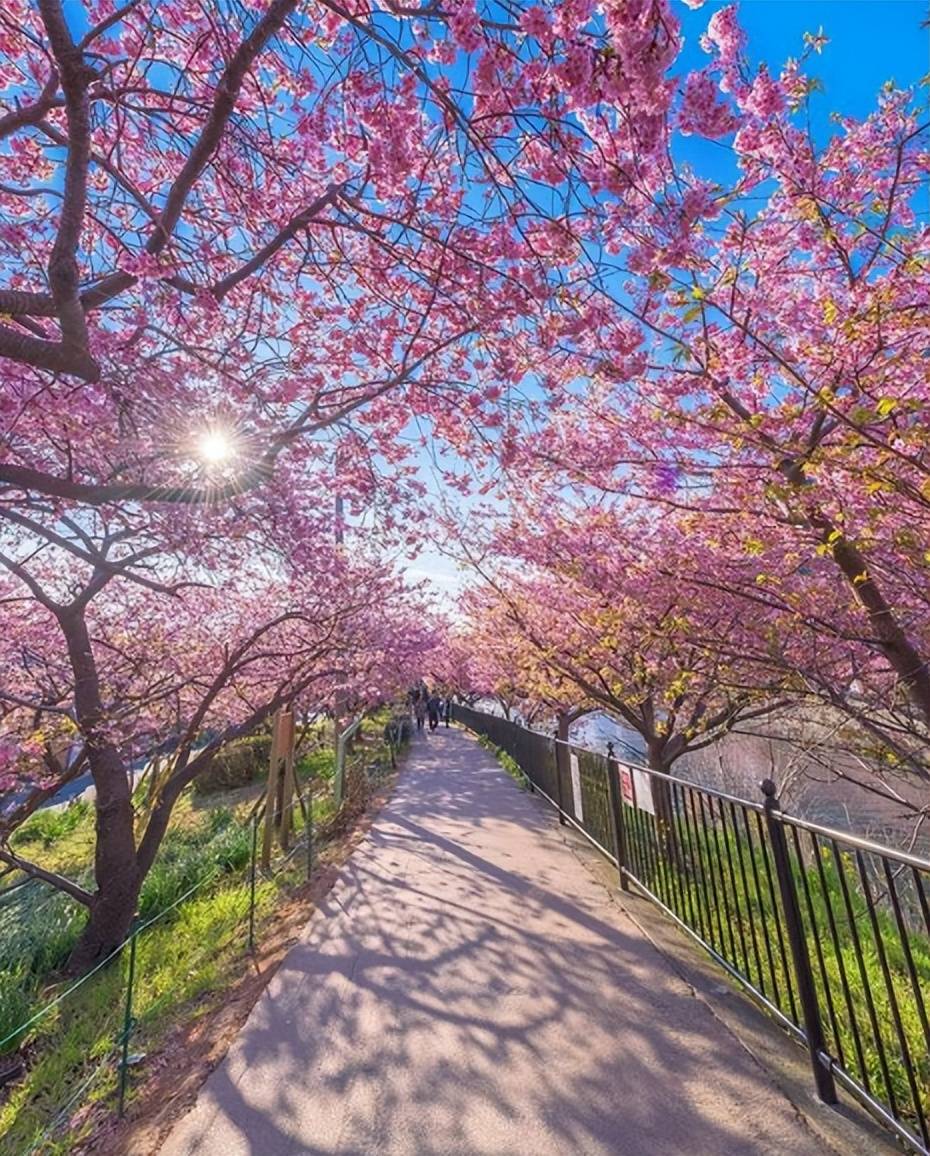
[236, 765]
[231, 849]
[47, 826]
[187, 857]
[52, 941]
[169, 878]
[319, 764]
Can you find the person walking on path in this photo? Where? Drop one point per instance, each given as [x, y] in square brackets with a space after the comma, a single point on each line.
[433, 709]
[419, 710]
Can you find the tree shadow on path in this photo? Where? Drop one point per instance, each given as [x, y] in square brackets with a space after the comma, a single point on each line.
[468, 987]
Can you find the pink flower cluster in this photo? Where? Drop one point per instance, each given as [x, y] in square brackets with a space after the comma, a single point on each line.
[725, 38]
[465, 27]
[766, 98]
[702, 112]
[536, 22]
[724, 34]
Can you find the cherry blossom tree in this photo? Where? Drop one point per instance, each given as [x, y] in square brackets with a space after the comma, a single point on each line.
[244, 249]
[95, 682]
[757, 357]
[255, 257]
[575, 604]
[286, 215]
[476, 661]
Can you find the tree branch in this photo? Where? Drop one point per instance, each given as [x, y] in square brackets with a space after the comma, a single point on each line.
[63, 271]
[32, 113]
[224, 101]
[57, 881]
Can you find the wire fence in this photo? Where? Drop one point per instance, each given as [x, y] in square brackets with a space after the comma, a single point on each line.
[79, 1047]
[828, 931]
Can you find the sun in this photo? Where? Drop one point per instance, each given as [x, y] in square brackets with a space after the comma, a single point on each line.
[215, 446]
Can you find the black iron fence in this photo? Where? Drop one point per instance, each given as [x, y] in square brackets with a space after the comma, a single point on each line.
[828, 931]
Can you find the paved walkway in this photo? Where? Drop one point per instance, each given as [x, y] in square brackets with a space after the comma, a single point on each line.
[469, 989]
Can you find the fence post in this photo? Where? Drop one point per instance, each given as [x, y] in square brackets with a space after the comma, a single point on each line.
[813, 1026]
[561, 738]
[252, 882]
[309, 823]
[616, 814]
[524, 760]
[128, 1021]
[338, 786]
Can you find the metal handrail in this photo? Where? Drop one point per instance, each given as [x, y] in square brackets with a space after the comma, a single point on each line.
[827, 930]
[858, 841]
[907, 858]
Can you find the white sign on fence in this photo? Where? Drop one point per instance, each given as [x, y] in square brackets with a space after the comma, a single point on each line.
[576, 787]
[636, 786]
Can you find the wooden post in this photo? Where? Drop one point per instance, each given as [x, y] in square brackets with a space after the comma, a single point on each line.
[289, 783]
[271, 794]
[282, 784]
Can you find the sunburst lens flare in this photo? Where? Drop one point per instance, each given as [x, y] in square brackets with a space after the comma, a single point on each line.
[215, 447]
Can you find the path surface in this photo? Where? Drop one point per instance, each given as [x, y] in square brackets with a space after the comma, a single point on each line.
[470, 989]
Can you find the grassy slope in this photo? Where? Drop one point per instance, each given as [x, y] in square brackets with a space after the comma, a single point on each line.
[196, 948]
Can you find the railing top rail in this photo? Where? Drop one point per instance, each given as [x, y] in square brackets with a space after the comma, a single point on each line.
[858, 842]
[689, 783]
[749, 804]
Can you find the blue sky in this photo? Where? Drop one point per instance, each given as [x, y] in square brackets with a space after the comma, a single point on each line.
[870, 42]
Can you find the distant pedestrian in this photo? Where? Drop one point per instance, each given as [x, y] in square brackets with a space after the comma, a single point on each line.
[447, 710]
[433, 708]
[419, 710]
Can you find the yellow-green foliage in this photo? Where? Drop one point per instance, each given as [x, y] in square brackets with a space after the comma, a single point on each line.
[507, 763]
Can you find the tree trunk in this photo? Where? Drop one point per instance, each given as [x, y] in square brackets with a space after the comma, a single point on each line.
[663, 802]
[109, 924]
[116, 870]
[899, 649]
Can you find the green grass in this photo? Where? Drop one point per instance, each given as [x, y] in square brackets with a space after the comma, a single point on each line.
[319, 765]
[39, 927]
[198, 948]
[16, 1005]
[53, 825]
[189, 856]
[507, 763]
[60, 840]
